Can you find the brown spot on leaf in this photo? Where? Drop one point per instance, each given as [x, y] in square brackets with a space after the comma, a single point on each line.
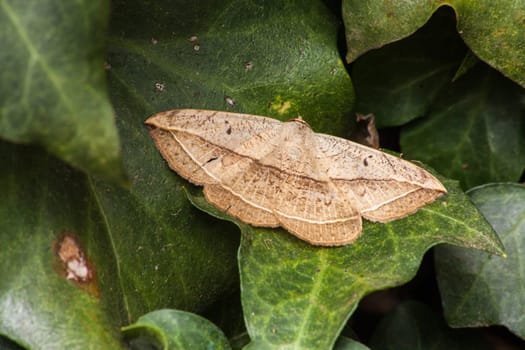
[74, 259]
[73, 263]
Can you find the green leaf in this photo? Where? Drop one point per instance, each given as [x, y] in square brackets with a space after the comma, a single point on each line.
[168, 254]
[39, 309]
[468, 62]
[148, 249]
[282, 61]
[179, 330]
[478, 289]
[344, 343]
[53, 87]
[298, 295]
[372, 24]
[412, 325]
[492, 29]
[153, 227]
[239, 341]
[482, 114]
[6, 344]
[399, 82]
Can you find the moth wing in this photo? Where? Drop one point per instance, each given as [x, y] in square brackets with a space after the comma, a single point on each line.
[316, 212]
[382, 187]
[272, 180]
[265, 196]
[188, 139]
[224, 129]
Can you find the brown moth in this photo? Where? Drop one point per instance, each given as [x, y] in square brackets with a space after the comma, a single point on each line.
[270, 173]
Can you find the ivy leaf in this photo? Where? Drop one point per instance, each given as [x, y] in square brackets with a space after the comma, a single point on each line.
[174, 329]
[147, 248]
[282, 61]
[482, 114]
[168, 254]
[492, 29]
[468, 62]
[399, 82]
[39, 307]
[201, 66]
[153, 228]
[468, 279]
[53, 88]
[412, 325]
[344, 343]
[298, 295]
[6, 344]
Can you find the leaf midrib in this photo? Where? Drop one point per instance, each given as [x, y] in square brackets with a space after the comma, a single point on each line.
[318, 283]
[34, 54]
[113, 248]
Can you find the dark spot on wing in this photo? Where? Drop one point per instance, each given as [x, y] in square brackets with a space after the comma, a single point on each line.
[211, 160]
[365, 160]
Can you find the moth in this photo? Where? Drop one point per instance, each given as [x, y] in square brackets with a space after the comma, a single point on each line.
[270, 173]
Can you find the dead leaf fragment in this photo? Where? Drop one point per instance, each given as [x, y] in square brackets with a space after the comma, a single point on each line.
[269, 173]
[365, 131]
